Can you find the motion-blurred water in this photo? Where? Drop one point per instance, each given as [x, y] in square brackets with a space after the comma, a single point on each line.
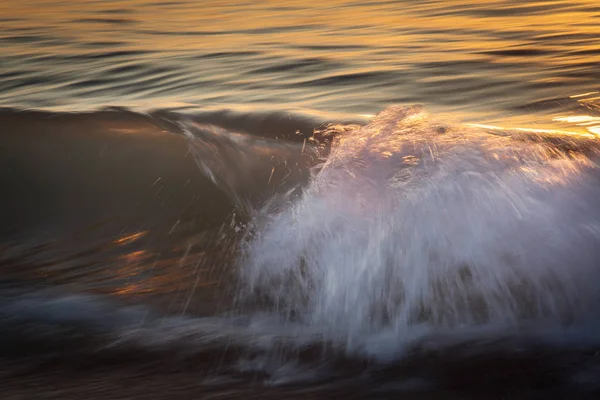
[243, 189]
[491, 61]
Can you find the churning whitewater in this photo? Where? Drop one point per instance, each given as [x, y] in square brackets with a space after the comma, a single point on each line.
[410, 229]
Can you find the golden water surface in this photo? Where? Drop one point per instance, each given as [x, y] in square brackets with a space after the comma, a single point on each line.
[533, 64]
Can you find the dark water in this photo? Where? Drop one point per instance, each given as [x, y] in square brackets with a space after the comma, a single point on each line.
[236, 199]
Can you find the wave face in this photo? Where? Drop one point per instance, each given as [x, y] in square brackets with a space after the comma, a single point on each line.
[411, 227]
[251, 170]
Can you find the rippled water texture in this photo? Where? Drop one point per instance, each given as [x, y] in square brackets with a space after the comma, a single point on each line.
[491, 61]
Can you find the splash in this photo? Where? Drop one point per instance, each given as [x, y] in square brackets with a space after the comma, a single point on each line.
[412, 226]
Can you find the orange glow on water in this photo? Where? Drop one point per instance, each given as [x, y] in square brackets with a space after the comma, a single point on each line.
[338, 56]
[135, 255]
[130, 238]
[533, 130]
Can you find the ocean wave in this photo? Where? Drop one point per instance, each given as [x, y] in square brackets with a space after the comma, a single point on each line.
[405, 247]
[70, 170]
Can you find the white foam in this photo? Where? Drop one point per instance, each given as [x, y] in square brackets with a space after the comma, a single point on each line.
[411, 228]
